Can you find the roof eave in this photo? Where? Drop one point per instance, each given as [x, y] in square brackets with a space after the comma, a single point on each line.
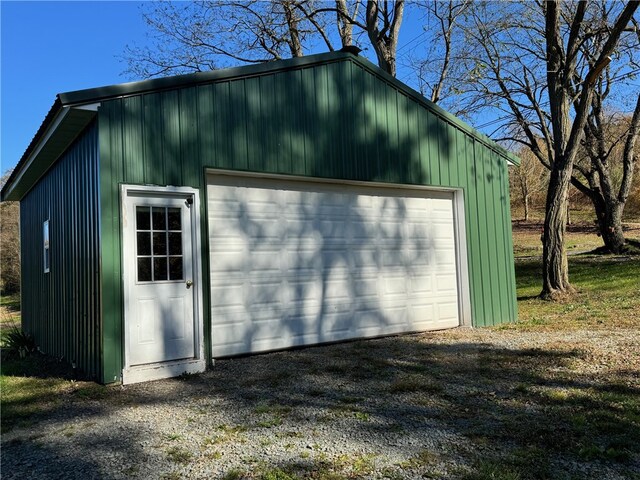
[84, 101]
[156, 84]
[417, 96]
[61, 127]
[177, 81]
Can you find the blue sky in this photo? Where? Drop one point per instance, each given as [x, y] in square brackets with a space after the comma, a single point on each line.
[53, 47]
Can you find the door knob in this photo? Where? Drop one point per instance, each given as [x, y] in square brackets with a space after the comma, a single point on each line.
[189, 283]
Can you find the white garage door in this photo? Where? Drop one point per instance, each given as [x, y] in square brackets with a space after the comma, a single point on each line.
[298, 263]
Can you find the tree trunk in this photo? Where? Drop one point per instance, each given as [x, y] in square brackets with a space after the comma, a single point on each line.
[384, 40]
[345, 27]
[295, 46]
[555, 269]
[526, 208]
[610, 223]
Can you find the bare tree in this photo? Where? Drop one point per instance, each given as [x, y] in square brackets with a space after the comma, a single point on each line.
[529, 180]
[205, 35]
[605, 138]
[383, 20]
[344, 20]
[568, 128]
[439, 61]
[534, 67]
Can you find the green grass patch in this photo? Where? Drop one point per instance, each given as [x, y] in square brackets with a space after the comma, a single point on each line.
[423, 459]
[270, 408]
[415, 383]
[179, 455]
[493, 470]
[24, 394]
[226, 433]
[277, 474]
[527, 242]
[171, 476]
[11, 302]
[23, 398]
[274, 421]
[608, 295]
[234, 474]
[362, 416]
[92, 391]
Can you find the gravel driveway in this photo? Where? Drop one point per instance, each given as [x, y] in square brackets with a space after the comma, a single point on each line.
[453, 404]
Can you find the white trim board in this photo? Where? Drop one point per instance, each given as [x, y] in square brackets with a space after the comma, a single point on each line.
[462, 265]
[224, 186]
[159, 371]
[139, 373]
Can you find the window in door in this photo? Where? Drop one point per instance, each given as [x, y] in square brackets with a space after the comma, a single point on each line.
[159, 244]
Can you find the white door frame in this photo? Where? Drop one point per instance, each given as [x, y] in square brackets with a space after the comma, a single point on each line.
[142, 373]
[459, 215]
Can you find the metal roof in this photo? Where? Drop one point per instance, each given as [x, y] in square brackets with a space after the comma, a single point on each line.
[56, 134]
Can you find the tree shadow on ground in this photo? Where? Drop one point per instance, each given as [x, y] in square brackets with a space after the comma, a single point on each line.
[467, 404]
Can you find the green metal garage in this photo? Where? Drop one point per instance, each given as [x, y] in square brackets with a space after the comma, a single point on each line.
[169, 222]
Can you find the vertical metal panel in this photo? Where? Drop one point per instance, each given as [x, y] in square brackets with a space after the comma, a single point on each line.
[237, 126]
[504, 247]
[189, 135]
[111, 171]
[252, 121]
[484, 252]
[445, 139]
[223, 127]
[508, 244]
[171, 145]
[433, 134]
[335, 120]
[405, 142]
[500, 203]
[364, 130]
[153, 139]
[205, 136]
[284, 95]
[133, 136]
[454, 156]
[60, 308]
[349, 106]
[493, 246]
[267, 139]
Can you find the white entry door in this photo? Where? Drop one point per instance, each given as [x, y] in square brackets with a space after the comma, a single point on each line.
[159, 278]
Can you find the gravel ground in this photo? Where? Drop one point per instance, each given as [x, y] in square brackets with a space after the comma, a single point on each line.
[450, 404]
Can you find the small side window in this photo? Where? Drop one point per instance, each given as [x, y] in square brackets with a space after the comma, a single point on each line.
[45, 243]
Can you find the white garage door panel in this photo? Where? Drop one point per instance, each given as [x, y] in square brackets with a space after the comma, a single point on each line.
[296, 263]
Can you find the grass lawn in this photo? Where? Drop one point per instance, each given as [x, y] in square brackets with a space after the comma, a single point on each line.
[608, 286]
[557, 391]
[527, 243]
[608, 295]
[580, 238]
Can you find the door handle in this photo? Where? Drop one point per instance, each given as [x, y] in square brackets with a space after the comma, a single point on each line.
[189, 283]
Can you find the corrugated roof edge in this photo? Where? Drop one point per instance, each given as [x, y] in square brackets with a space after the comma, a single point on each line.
[417, 96]
[93, 95]
[135, 88]
[53, 111]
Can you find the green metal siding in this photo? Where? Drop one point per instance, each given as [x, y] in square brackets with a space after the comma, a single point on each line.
[61, 308]
[339, 119]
